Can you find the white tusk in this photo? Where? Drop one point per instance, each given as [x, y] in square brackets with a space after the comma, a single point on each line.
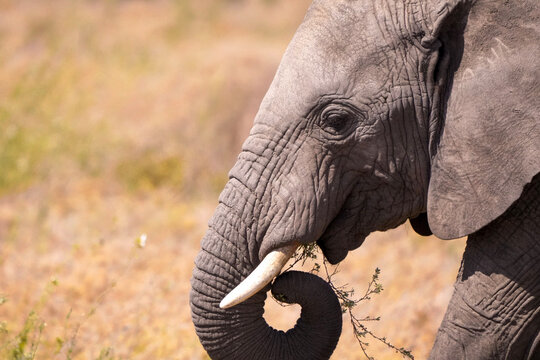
[268, 269]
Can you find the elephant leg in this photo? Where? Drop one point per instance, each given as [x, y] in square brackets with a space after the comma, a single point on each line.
[494, 312]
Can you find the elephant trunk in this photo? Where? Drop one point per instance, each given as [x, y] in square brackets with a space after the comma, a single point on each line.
[241, 332]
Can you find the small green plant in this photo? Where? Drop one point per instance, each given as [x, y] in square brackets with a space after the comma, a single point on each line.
[25, 343]
[347, 298]
[106, 354]
[68, 344]
[29, 336]
[3, 324]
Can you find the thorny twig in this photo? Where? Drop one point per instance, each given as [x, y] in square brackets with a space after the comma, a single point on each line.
[347, 299]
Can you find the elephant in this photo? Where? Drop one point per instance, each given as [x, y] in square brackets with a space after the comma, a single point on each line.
[380, 112]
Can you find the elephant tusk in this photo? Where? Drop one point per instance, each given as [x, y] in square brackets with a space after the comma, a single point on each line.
[267, 270]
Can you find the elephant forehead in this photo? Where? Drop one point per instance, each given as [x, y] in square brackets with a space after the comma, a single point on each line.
[336, 50]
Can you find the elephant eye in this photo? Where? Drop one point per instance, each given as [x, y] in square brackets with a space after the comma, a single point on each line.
[336, 120]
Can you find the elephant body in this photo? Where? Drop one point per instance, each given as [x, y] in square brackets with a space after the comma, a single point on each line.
[498, 286]
[381, 112]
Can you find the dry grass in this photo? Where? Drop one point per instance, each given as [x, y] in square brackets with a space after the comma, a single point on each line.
[119, 118]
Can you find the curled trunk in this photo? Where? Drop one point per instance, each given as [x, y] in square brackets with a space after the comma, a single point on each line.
[241, 332]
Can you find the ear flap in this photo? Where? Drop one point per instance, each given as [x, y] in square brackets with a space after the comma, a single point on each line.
[489, 146]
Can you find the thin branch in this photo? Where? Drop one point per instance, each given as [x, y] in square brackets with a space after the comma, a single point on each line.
[347, 300]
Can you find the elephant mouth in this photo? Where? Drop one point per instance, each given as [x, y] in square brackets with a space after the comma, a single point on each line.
[270, 267]
[344, 233]
[336, 251]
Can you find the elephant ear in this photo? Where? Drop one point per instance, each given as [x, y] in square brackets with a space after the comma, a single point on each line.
[488, 147]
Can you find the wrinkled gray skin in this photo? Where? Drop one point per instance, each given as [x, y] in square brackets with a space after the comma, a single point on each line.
[381, 111]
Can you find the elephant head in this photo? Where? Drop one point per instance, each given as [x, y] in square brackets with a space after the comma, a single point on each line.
[358, 132]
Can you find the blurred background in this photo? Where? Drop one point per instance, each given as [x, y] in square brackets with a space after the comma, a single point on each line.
[119, 121]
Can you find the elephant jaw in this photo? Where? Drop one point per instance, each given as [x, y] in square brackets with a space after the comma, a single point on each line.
[263, 274]
[335, 246]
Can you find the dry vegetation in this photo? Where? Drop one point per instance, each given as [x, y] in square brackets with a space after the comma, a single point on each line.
[119, 118]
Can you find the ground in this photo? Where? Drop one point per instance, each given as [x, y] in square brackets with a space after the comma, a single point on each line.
[120, 119]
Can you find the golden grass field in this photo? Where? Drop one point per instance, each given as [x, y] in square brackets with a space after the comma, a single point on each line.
[122, 118]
